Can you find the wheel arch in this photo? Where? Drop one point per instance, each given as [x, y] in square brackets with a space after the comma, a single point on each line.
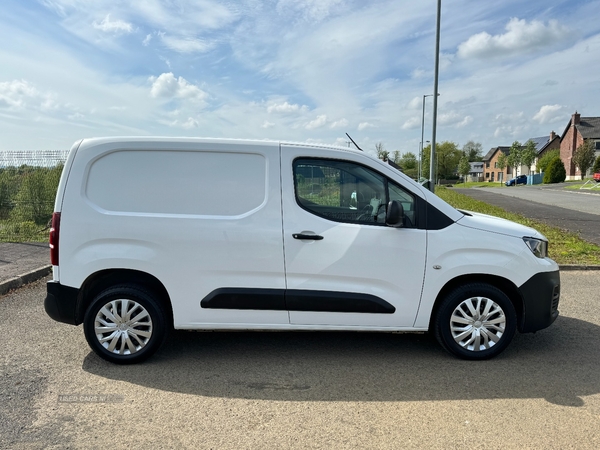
[505, 285]
[99, 281]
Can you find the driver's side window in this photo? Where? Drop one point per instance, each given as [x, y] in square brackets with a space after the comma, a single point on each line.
[340, 190]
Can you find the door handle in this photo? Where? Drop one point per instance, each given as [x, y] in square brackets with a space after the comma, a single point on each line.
[305, 237]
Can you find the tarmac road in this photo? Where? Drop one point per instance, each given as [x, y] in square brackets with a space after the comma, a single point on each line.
[570, 210]
[301, 390]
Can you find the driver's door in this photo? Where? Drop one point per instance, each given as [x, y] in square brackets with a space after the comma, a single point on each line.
[344, 266]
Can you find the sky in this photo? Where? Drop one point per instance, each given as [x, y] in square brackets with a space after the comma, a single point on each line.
[295, 70]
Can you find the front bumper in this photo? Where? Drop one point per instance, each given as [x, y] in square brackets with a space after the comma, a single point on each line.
[61, 303]
[541, 294]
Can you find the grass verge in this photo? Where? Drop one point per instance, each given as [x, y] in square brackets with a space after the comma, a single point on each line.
[565, 247]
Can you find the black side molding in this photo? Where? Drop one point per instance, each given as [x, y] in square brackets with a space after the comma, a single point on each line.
[295, 300]
[245, 298]
[332, 301]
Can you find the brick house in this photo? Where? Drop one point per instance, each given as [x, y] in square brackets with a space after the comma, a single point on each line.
[578, 129]
[491, 172]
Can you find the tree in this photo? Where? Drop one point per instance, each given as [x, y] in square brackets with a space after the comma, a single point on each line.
[382, 153]
[396, 157]
[473, 150]
[555, 172]
[464, 167]
[408, 161]
[584, 157]
[528, 155]
[546, 159]
[447, 156]
[515, 157]
[502, 162]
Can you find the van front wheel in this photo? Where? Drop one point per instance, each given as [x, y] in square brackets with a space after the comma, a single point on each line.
[475, 321]
[125, 324]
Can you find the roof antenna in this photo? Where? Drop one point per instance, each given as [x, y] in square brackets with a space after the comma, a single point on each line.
[356, 145]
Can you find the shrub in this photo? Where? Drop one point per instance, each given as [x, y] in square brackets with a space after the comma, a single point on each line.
[545, 160]
[555, 172]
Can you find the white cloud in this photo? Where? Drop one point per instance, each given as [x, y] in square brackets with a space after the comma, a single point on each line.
[453, 118]
[311, 10]
[418, 73]
[190, 123]
[186, 44]
[520, 37]
[267, 124]
[415, 103]
[549, 114]
[285, 108]
[468, 120]
[147, 40]
[21, 94]
[113, 26]
[364, 125]
[167, 86]
[317, 123]
[413, 122]
[339, 124]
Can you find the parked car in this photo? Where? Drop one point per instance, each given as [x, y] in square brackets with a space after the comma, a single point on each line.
[521, 179]
[151, 234]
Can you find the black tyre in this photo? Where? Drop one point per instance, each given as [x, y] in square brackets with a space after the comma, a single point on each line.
[125, 324]
[475, 321]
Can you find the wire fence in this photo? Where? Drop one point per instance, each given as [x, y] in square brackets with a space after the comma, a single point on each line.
[28, 183]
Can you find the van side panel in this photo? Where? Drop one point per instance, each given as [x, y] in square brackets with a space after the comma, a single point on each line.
[196, 215]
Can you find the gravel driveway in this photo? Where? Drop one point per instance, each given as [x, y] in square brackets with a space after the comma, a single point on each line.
[301, 390]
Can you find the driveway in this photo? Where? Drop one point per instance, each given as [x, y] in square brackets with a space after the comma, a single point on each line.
[301, 390]
[572, 211]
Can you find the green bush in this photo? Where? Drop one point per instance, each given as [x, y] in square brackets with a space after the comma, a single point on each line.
[545, 160]
[555, 172]
[34, 202]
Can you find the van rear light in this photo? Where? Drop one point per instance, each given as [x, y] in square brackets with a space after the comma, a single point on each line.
[54, 232]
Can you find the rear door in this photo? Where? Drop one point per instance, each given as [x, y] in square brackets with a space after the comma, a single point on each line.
[344, 266]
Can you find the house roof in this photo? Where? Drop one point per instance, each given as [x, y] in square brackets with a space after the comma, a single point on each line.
[492, 152]
[476, 167]
[589, 127]
[540, 142]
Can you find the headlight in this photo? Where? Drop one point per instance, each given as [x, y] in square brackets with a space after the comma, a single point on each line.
[538, 247]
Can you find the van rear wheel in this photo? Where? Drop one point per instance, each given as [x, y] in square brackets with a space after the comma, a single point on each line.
[475, 321]
[125, 324]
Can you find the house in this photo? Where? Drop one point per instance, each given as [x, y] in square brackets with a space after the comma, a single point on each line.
[577, 130]
[543, 145]
[491, 172]
[476, 171]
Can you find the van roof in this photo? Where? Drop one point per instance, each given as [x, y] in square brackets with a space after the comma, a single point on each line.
[166, 139]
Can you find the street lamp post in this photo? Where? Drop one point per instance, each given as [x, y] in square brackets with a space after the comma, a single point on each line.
[422, 131]
[435, 91]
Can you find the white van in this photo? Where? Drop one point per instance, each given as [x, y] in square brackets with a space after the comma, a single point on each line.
[151, 234]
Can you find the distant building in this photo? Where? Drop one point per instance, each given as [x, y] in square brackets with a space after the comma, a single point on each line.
[476, 171]
[578, 130]
[543, 145]
[491, 172]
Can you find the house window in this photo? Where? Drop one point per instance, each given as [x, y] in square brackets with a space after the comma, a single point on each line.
[487, 174]
[495, 164]
[487, 165]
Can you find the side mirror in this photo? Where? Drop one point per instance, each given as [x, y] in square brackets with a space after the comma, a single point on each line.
[394, 216]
